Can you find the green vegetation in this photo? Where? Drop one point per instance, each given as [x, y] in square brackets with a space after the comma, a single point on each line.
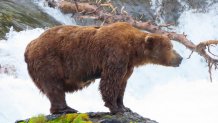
[67, 118]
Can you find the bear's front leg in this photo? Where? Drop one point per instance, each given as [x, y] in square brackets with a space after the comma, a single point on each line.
[122, 90]
[110, 85]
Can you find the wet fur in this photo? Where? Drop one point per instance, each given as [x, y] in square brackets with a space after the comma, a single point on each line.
[68, 58]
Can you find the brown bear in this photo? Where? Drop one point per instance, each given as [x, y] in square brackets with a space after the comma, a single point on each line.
[68, 58]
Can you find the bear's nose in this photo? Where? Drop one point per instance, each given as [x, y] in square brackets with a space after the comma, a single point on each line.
[178, 61]
[181, 59]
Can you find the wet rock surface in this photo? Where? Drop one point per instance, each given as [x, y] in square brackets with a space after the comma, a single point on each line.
[22, 14]
[127, 117]
[159, 11]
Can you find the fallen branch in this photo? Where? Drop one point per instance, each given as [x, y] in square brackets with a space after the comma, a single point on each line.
[77, 7]
[201, 49]
[96, 11]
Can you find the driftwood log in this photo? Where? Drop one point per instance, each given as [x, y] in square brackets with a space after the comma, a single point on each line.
[109, 15]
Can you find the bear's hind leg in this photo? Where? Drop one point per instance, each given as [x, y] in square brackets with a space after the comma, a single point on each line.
[58, 103]
[48, 75]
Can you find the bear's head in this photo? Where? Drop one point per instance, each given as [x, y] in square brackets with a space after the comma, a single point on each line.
[161, 51]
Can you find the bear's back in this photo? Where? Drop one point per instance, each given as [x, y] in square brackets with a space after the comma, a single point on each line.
[74, 40]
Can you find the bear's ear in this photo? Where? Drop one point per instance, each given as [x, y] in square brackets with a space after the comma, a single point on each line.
[149, 40]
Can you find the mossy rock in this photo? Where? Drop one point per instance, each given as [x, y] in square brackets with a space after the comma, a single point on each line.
[22, 14]
[65, 118]
[91, 117]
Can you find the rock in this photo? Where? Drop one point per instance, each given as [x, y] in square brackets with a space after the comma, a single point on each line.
[94, 117]
[21, 15]
[127, 117]
[110, 121]
[159, 11]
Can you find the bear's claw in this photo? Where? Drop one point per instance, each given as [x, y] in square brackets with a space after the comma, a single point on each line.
[127, 109]
[65, 111]
[121, 110]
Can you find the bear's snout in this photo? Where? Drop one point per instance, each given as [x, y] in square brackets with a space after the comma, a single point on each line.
[177, 60]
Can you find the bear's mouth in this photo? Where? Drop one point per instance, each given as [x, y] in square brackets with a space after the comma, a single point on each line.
[177, 62]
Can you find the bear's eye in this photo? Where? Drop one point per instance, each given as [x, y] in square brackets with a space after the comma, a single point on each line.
[169, 47]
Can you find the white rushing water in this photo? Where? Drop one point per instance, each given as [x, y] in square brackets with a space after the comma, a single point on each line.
[164, 94]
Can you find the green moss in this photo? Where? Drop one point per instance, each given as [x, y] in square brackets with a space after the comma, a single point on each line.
[67, 118]
[38, 119]
[22, 15]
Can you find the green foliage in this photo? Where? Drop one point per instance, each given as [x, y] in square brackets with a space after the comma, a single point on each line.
[68, 118]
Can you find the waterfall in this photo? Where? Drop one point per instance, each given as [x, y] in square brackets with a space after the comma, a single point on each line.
[164, 94]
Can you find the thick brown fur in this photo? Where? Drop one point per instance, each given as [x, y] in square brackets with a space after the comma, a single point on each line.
[68, 58]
